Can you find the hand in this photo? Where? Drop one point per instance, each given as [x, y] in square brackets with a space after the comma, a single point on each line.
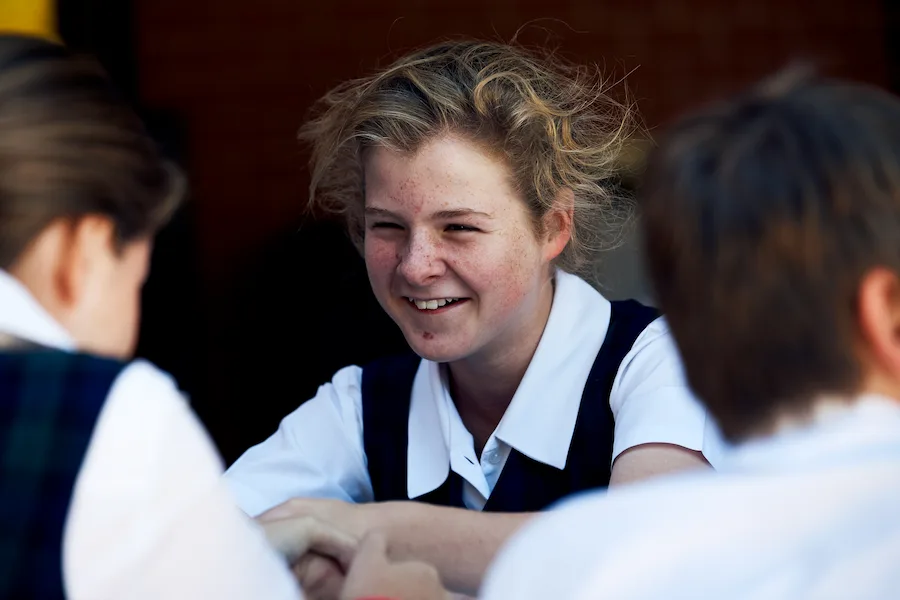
[354, 519]
[318, 553]
[320, 577]
[372, 574]
[294, 537]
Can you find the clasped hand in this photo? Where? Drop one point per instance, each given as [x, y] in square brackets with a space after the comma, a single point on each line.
[336, 554]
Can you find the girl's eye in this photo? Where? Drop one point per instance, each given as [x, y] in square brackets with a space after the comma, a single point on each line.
[385, 225]
[461, 228]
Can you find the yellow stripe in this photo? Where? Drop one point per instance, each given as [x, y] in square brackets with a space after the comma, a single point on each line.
[29, 17]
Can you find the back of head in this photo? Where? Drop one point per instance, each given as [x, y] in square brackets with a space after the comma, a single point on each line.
[71, 147]
[763, 214]
[554, 124]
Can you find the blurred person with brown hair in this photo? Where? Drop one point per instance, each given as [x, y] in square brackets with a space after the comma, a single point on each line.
[109, 486]
[478, 180]
[772, 226]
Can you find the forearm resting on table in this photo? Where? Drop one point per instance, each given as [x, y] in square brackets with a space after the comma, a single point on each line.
[460, 543]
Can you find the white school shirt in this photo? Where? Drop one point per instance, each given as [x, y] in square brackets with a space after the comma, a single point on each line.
[318, 449]
[150, 517]
[812, 513]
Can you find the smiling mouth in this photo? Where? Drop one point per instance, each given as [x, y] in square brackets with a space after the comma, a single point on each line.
[433, 304]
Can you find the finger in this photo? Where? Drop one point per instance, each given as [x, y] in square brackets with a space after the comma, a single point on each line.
[373, 576]
[320, 578]
[332, 542]
[291, 508]
[371, 551]
[290, 537]
[296, 536]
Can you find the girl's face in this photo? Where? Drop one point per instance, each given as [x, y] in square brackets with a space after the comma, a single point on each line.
[451, 251]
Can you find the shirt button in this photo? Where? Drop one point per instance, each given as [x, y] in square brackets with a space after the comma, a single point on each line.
[493, 457]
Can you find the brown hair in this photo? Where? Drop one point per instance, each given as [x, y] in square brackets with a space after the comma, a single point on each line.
[70, 147]
[553, 123]
[762, 215]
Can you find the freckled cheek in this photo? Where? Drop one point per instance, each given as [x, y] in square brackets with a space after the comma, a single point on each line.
[380, 255]
[516, 288]
[502, 275]
[381, 262]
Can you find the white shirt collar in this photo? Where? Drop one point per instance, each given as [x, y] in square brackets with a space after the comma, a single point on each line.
[428, 451]
[541, 418]
[22, 316]
[830, 437]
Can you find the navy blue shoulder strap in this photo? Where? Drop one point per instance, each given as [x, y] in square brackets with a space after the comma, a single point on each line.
[386, 396]
[592, 441]
[526, 485]
[628, 319]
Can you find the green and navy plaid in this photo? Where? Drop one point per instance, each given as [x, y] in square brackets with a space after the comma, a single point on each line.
[49, 404]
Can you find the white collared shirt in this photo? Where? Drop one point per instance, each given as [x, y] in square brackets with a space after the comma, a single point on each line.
[318, 449]
[150, 516]
[810, 513]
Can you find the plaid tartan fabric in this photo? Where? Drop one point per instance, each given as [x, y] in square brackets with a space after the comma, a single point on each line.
[49, 404]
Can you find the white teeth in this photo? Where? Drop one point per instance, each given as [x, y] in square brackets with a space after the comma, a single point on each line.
[432, 304]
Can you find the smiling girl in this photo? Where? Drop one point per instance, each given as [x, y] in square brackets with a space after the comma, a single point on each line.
[478, 180]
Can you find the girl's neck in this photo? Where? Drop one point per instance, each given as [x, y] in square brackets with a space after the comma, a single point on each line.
[483, 385]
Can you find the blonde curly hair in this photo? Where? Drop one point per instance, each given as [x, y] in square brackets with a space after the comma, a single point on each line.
[555, 124]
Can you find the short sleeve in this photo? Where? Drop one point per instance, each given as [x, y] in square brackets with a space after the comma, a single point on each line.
[317, 451]
[652, 403]
[151, 516]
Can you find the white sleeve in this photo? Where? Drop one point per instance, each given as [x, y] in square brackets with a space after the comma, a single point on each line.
[652, 403]
[317, 451]
[150, 515]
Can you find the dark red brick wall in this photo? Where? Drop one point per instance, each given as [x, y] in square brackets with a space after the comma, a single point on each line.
[242, 74]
